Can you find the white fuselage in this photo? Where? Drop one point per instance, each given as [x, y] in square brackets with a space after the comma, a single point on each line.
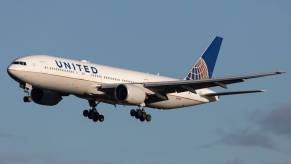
[82, 78]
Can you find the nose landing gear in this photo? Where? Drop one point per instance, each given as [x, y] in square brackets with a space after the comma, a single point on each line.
[26, 99]
[27, 88]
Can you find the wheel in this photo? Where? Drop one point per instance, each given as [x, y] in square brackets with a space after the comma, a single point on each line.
[91, 115]
[95, 118]
[132, 112]
[26, 99]
[142, 119]
[96, 114]
[144, 115]
[148, 117]
[139, 113]
[85, 113]
[136, 116]
[101, 118]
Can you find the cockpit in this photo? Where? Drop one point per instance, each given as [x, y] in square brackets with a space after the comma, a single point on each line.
[19, 62]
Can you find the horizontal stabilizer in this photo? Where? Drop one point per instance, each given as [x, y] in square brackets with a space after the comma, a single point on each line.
[231, 93]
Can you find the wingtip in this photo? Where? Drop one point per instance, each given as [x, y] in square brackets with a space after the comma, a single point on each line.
[280, 72]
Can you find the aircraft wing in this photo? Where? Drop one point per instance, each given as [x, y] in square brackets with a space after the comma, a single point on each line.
[164, 87]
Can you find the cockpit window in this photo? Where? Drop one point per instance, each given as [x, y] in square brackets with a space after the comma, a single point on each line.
[19, 62]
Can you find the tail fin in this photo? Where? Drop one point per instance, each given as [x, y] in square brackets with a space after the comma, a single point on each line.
[204, 66]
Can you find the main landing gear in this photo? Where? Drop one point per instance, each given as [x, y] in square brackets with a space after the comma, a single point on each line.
[141, 115]
[93, 113]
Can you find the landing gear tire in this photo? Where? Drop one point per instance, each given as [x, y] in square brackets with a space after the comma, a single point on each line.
[85, 113]
[132, 112]
[144, 115]
[148, 117]
[91, 115]
[26, 99]
[136, 116]
[95, 118]
[141, 119]
[101, 118]
[139, 113]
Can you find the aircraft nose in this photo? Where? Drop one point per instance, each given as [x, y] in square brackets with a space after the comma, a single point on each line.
[12, 72]
[9, 71]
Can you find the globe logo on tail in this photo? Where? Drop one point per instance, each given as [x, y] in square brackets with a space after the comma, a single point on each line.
[199, 71]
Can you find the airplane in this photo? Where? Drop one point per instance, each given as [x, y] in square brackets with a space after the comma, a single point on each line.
[47, 79]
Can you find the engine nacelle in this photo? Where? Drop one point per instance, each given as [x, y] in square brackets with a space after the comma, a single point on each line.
[45, 97]
[130, 94]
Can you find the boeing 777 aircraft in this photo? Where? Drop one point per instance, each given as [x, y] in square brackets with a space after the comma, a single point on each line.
[46, 79]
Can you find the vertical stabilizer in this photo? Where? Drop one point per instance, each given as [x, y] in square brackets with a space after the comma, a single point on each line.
[204, 66]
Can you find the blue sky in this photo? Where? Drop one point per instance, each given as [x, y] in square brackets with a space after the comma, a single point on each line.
[157, 36]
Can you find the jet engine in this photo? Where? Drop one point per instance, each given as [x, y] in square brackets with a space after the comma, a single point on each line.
[130, 94]
[45, 97]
